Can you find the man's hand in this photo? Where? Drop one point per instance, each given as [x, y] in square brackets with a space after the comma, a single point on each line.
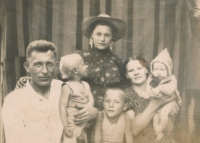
[86, 114]
[22, 82]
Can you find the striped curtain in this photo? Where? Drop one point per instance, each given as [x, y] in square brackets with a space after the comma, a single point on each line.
[152, 25]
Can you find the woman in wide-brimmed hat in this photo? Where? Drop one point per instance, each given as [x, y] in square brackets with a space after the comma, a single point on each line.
[105, 68]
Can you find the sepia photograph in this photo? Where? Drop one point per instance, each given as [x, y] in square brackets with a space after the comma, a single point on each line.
[100, 71]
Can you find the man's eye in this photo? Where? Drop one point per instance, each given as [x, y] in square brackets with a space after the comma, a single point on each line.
[37, 64]
[50, 64]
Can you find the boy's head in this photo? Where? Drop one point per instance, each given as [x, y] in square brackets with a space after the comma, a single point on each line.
[162, 63]
[73, 65]
[115, 102]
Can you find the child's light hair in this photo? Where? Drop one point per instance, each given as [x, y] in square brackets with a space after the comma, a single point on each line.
[120, 90]
[67, 64]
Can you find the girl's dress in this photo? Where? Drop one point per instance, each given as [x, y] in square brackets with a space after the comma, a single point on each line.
[138, 104]
[113, 133]
[104, 70]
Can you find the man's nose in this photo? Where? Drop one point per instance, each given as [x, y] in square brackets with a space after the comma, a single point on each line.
[44, 69]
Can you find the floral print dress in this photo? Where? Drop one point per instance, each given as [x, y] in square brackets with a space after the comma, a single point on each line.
[138, 104]
[104, 70]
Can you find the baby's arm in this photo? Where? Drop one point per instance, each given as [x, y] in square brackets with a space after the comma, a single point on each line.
[170, 87]
[65, 92]
[98, 128]
[91, 99]
[128, 129]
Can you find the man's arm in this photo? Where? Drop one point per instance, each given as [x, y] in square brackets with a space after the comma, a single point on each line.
[13, 123]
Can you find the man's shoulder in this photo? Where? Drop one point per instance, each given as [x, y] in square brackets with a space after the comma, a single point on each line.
[56, 83]
[15, 96]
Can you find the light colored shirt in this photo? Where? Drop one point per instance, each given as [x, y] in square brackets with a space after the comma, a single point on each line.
[30, 118]
[113, 132]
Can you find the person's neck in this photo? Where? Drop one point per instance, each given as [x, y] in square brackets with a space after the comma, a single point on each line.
[41, 90]
[75, 79]
[113, 120]
[140, 87]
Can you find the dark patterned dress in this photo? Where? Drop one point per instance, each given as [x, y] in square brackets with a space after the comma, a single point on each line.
[104, 70]
[138, 104]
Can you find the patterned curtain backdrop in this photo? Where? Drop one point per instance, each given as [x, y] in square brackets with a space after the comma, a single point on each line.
[152, 25]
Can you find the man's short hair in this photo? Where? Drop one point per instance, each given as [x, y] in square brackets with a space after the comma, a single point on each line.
[41, 46]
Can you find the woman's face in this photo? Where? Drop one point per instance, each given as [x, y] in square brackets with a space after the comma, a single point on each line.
[102, 37]
[135, 72]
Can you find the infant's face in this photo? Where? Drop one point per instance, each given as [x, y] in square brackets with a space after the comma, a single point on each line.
[114, 103]
[159, 70]
[81, 67]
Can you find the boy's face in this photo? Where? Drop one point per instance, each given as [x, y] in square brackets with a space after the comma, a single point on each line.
[114, 103]
[159, 70]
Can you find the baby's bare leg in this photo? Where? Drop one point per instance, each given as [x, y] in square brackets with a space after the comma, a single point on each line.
[77, 129]
[161, 120]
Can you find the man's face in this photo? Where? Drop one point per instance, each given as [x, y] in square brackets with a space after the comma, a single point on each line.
[41, 66]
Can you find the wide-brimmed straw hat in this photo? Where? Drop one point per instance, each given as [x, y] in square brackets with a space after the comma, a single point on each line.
[119, 25]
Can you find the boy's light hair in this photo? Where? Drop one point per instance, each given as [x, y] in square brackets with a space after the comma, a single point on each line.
[67, 64]
[118, 89]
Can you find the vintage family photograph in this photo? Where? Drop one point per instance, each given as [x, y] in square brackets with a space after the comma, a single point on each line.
[100, 71]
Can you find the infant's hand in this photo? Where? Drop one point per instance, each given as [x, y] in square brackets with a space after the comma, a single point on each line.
[68, 131]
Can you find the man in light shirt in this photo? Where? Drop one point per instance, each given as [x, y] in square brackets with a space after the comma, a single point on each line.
[31, 114]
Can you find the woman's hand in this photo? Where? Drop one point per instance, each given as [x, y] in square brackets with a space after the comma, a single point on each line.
[86, 114]
[22, 82]
[160, 102]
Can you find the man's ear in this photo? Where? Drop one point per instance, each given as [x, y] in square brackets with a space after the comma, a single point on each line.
[26, 66]
[57, 66]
